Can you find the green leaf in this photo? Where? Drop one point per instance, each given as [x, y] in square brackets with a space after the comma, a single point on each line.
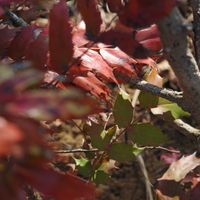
[100, 177]
[166, 106]
[137, 150]
[146, 134]
[147, 100]
[84, 167]
[100, 138]
[102, 141]
[93, 129]
[107, 135]
[122, 152]
[123, 110]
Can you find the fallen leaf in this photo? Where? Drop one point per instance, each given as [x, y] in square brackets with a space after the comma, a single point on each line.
[180, 168]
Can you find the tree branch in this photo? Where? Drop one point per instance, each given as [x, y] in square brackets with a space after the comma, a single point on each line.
[168, 94]
[186, 129]
[174, 38]
[76, 150]
[196, 13]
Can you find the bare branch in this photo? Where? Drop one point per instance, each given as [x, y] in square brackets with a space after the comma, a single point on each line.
[174, 37]
[186, 129]
[183, 127]
[162, 148]
[196, 13]
[76, 150]
[148, 185]
[168, 94]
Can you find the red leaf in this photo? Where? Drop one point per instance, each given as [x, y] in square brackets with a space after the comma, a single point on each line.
[15, 83]
[147, 33]
[92, 84]
[20, 43]
[114, 5]
[10, 135]
[91, 16]
[153, 45]
[60, 38]
[79, 38]
[93, 62]
[125, 41]
[117, 58]
[1, 12]
[7, 2]
[139, 13]
[49, 105]
[56, 185]
[37, 52]
[16, 194]
[6, 37]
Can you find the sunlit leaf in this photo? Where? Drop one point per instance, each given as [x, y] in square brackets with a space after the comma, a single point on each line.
[152, 76]
[84, 167]
[92, 61]
[92, 84]
[166, 106]
[180, 168]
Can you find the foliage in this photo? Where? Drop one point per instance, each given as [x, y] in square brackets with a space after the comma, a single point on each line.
[62, 72]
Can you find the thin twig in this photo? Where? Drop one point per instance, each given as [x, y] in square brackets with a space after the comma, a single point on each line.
[162, 148]
[148, 185]
[76, 150]
[149, 195]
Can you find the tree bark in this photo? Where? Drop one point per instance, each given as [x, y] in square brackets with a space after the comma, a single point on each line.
[174, 37]
[196, 13]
